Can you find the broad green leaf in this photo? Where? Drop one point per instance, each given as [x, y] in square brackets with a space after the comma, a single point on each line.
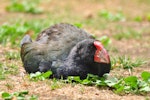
[100, 83]
[145, 89]
[23, 92]
[47, 74]
[20, 98]
[86, 82]
[92, 77]
[23, 95]
[120, 89]
[40, 76]
[79, 25]
[38, 73]
[111, 82]
[74, 78]
[33, 97]
[6, 95]
[105, 40]
[145, 76]
[131, 81]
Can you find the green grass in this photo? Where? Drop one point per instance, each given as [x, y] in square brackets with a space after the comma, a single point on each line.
[138, 19]
[8, 66]
[12, 55]
[127, 33]
[26, 6]
[79, 25]
[11, 69]
[56, 84]
[108, 16]
[106, 41]
[9, 86]
[148, 17]
[130, 84]
[40, 76]
[126, 62]
[2, 75]
[6, 69]
[23, 95]
[13, 33]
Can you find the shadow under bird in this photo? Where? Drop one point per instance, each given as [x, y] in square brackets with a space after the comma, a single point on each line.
[65, 50]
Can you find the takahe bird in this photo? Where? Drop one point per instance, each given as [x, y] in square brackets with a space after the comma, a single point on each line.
[88, 56]
[52, 44]
[51, 50]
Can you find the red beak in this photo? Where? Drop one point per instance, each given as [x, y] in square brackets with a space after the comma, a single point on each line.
[101, 55]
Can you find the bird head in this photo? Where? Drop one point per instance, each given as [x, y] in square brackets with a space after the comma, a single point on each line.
[101, 55]
[90, 51]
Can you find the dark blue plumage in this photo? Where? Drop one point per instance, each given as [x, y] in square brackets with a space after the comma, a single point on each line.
[66, 50]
